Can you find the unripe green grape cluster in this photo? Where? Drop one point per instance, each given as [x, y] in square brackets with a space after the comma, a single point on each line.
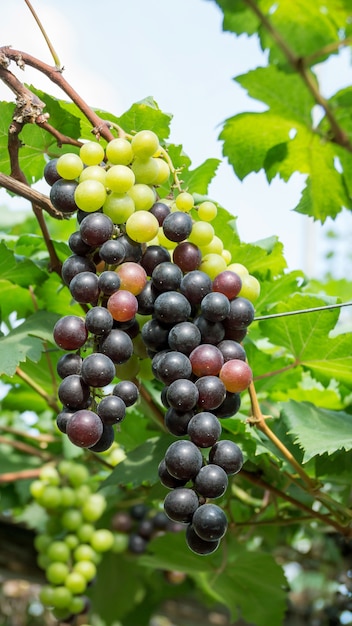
[71, 546]
[166, 301]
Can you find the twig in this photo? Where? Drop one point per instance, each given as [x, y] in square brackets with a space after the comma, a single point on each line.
[20, 433]
[325, 307]
[23, 190]
[330, 48]
[40, 391]
[43, 31]
[25, 447]
[11, 477]
[60, 138]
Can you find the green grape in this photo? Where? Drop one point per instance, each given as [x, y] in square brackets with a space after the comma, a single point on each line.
[50, 498]
[90, 195]
[59, 551]
[91, 153]
[77, 474]
[46, 595]
[142, 226]
[119, 207]
[120, 178]
[71, 519]
[43, 560]
[201, 234]
[102, 540]
[93, 172]
[72, 540]
[145, 143]
[77, 605]
[207, 211]
[184, 201]
[57, 572]
[214, 247]
[85, 552]
[75, 582]
[69, 166]
[119, 151]
[145, 170]
[143, 196]
[42, 542]
[163, 172]
[68, 496]
[120, 543]
[62, 597]
[227, 256]
[87, 569]
[85, 532]
[212, 264]
[239, 269]
[64, 467]
[36, 489]
[49, 475]
[82, 493]
[250, 288]
[93, 507]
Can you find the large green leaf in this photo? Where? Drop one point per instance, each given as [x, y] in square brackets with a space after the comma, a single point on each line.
[146, 115]
[26, 341]
[317, 431]
[19, 270]
[198, 180]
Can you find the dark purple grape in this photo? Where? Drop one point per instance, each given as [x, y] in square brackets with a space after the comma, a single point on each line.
[231, 350]
[166, 276]
[50, 173]
[187, 256]
[131, 327]
[195, 285]
[98, 370]
[212, 392]
[133, 250]
[228, 283]
[184, 337]
[209, 522]
[234, 334]
[153, 256]
[69, 364]
[229, 407]
[84, 428]
[241, 313]
[109, 282]
[106, 440]
[77, 245]
[62, 195]
[180, 504]
[177, 421]
[99, 320]
[96, 228]
[111, 409]
[172, 366]
[160, 211]
[62, 420]
[182, 395]
[70, 332]
[127, 391]
[171, 307]
[137, 544]
[206, 360]
[177, 226]
[160, 520]
[84, 288]
[74, 392]
[155, 335]
[166, 479]
[211, 481]
[198, 545]
[122, 522]
[183, 460]
[117, 345]
[145, 529]
[146, 299]
[228, 455]
[112, 252]
[215, 306]
[204, 429]
[139, 511]
[75, 264]
[211, 332]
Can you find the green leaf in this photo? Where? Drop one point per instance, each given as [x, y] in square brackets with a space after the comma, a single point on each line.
[317, 431]
[6, 112]
[145, 115]
[238, 18]
[284, 93]
[21, 271]
[263, 258]
[199, 179]
[26, 341]
[141, 464]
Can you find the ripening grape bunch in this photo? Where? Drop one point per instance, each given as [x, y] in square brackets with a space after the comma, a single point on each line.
[156, 285]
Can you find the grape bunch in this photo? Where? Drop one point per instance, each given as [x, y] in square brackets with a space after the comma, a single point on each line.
[158, 286]
[70, 547]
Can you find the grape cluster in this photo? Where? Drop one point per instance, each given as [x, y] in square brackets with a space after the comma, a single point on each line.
[70, 547]
[159, 287]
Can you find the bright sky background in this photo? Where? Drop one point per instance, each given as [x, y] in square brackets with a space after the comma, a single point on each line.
[120, 52]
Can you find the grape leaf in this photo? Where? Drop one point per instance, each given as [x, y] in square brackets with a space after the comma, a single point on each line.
[6, 112]
[146, 115]
[198, 180]
[317, 431]
[26, 341]
[263, 258]
[20, 271]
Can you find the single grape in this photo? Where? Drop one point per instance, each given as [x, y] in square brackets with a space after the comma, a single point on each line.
[184, 201]
[160, 210]
[75, 264]
[241, 313]
[108, 282]
[153, 256]
[93, 172]
[211, 332]
[90, 195]
[117, 345]
[212, 392]
[183, 460]
[236, 375]
[132, 277]
[99, 321]
[50, 173]
[195, 285]
[146, 170]
[96, 228]
[119, 151]
[122, 305]
[127, 391]
[142, 226]
[84, 288]
[184, 337]
[207, 211]
[119, 178]
[182, 394]
[91, 153]
[177, 421]
[187, 256]
[201, 234]
[73, 392]
[204, 429]
[84, 428]
[69, 364]
[111, 409]
[62, 195]
[145, 143]
[154, 335]
[172, 307]
[166, 276]
[206, 360]
[137, 544]
[118, 207]
[70, 332]
[172, 366]
[227, 282]
[146, 299]
[177, 226]
[106, 440]
[231, 350]
[211, 481]
[62, 419]
[77, 245]
[229, 407]
[180, 504]
[212, 264]
[97, 370]
[215, 306]
[227, 455]
[112, 252]
[167, 479]
[69, 165]
[143, 197]
[209, 522]
[198, 545]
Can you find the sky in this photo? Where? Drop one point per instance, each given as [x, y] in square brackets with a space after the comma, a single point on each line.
[177, 53]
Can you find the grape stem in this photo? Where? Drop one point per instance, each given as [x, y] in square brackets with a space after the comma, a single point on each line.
[314, 309]
[45, 35]
[12, 477]
[51, 402]
[26, 448]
